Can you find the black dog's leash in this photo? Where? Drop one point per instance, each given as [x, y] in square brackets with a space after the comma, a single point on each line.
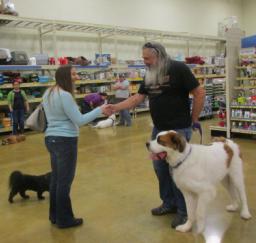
[113, 121]
[197, 126]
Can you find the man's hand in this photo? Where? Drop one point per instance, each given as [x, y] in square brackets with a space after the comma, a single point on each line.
[113, 108]
[107, 110]
[196, 126]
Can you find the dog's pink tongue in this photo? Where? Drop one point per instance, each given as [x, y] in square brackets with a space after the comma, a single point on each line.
[158, 156]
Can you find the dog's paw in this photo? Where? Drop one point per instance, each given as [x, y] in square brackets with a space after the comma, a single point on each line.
[232, 207]
[184, 227]
[10, 200]
[245, 214]
[200, 228]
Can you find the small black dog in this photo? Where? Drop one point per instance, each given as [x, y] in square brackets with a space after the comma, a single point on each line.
[19, 183]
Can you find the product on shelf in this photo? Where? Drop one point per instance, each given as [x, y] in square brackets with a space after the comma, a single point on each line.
[43, 79]
[207, 108]
[212, 77]
[82, 61]
[7, 7]
[1, 78]
[243, 104]
[41, 58]
[19, 58]
[195, 60]
[222, 118]
[52, 61]
[104, 59]
[6, 122]
[62, 61]
[5, 56]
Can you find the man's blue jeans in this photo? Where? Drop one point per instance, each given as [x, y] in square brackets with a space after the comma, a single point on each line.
[169, 193]
[63, 154]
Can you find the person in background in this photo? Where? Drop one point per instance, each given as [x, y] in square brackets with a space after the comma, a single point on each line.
[61, 139]
[18, 105]
[122, 92]
[168, 84]
[92, 101]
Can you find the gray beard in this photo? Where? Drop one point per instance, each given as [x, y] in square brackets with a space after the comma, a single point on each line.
[155, 74]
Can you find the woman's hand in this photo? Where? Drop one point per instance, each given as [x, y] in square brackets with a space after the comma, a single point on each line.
[107, 110]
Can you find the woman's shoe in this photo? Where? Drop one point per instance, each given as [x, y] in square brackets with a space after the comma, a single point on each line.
[74, 223]
[52, 220]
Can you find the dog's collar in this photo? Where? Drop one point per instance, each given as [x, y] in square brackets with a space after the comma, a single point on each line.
[113, 121]
[179, 162]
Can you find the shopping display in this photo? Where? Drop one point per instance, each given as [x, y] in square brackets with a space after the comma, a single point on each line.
[102, 78]
[211, 71]
[92, 79]
[243, 103]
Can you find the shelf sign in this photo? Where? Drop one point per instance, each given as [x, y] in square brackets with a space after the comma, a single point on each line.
[103, 59]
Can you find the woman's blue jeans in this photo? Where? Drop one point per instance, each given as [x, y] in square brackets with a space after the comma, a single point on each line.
[169, 193]
[63, 154]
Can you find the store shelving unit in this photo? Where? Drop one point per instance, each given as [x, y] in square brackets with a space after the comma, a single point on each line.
[25, 68]
[37, 85]
[43, 27]
[78, 96]
[206, 74]
[233, 42]
[243, 108]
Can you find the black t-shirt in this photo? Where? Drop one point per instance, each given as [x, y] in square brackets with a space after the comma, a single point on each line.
[169, 103]
[18, 101]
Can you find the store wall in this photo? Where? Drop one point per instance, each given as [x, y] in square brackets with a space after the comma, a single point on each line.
[249, 10]
[193, 16]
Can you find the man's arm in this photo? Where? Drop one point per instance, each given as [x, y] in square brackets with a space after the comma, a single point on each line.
[198, 102]
[129, 103]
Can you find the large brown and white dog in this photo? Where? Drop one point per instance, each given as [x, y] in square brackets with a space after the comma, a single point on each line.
[196, 171]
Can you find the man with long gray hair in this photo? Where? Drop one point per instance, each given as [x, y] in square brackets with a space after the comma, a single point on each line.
[168, 84]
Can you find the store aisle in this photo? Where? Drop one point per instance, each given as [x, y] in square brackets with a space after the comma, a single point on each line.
[114, 190]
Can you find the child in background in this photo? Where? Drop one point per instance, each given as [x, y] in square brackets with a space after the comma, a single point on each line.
[18, 104]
